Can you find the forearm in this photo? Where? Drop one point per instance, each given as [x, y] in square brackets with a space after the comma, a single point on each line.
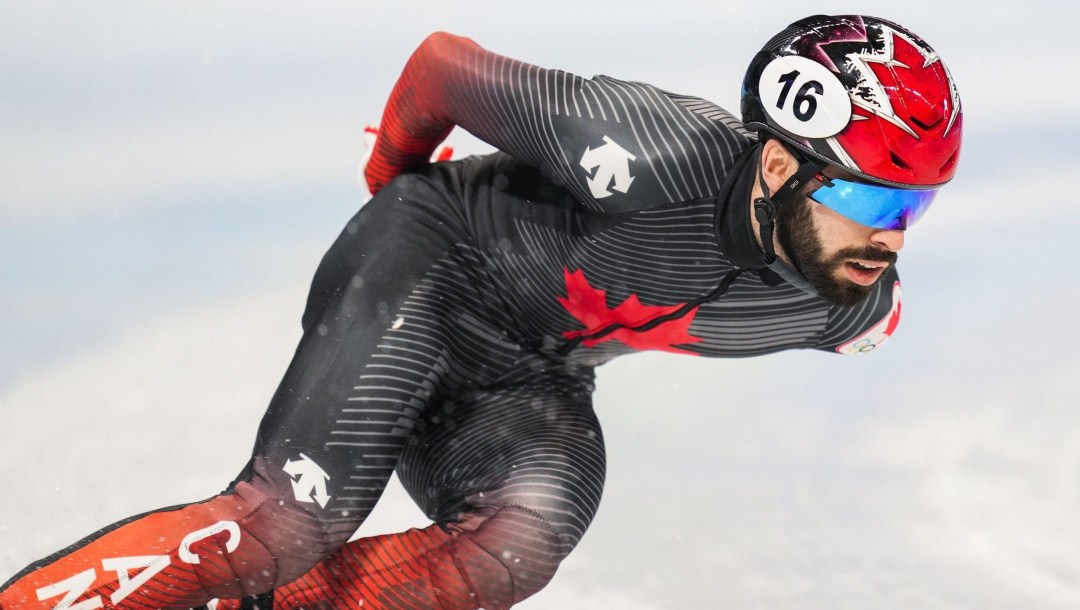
[519, 108]
[417, 116]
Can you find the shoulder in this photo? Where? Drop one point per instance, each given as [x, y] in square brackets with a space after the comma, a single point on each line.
[710, 115]
[631, 146]
[862, 328]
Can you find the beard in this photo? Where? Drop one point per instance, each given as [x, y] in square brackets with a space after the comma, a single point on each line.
[799, 239]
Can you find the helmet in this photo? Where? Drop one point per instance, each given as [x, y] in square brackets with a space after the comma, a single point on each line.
[860, 93]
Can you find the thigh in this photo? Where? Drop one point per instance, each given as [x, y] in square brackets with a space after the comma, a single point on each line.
[376, 351]
[533, 442]
[512, 475]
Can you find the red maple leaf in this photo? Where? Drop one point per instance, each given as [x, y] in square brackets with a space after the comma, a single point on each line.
[895, 319]
[588, 305]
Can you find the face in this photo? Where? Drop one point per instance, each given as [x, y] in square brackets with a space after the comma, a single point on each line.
[839, 257]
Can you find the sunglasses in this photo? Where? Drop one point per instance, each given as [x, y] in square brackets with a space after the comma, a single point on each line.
[880, 207]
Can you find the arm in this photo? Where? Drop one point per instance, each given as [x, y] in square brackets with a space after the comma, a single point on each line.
[448, 81]
[618, 146]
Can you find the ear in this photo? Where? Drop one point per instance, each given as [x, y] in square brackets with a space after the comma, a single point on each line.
[777, 164]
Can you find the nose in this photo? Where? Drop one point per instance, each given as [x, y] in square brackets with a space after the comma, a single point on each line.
[892, 239]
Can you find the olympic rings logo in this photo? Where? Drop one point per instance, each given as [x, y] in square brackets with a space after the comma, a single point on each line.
[863, 346]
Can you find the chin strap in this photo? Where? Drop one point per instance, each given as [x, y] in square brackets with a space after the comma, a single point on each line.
[790, 275]
[765, 211]
[766, 207]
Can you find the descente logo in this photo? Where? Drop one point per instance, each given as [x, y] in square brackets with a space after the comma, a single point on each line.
[150, 565]
[612, 165]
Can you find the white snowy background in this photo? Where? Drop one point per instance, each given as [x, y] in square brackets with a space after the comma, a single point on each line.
[171, 173]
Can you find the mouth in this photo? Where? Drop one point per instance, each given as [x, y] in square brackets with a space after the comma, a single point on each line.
[864, 272]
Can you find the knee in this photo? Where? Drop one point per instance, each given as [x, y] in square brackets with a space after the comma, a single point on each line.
[506, 554]
[566, 500]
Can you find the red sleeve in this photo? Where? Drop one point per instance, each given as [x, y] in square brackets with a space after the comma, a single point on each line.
[416, 118]
[450, 80]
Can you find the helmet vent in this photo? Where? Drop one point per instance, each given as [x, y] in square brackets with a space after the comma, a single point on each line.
[948, 165]
[924, 126]
[897, 161]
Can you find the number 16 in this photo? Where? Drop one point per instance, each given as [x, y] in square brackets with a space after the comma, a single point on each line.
[805, 103]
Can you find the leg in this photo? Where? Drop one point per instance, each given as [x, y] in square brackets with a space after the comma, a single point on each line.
[373, 356]
[512, 479]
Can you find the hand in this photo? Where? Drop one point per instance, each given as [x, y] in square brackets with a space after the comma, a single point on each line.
[371, 134]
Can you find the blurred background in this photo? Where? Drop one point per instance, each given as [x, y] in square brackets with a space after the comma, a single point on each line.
[171, 173]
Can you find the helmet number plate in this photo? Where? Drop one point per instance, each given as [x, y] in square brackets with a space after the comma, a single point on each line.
[804, 97]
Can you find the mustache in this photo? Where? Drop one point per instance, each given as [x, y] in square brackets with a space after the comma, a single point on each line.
[868, 253]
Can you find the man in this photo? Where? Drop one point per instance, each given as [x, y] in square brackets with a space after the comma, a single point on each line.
[452, 330]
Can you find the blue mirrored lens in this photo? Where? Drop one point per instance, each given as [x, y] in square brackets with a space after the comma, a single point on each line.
[875, 206]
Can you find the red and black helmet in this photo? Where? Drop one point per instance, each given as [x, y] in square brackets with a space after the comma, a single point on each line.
[861, 93]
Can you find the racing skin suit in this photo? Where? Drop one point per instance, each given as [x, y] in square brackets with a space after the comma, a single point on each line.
[452, 332]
